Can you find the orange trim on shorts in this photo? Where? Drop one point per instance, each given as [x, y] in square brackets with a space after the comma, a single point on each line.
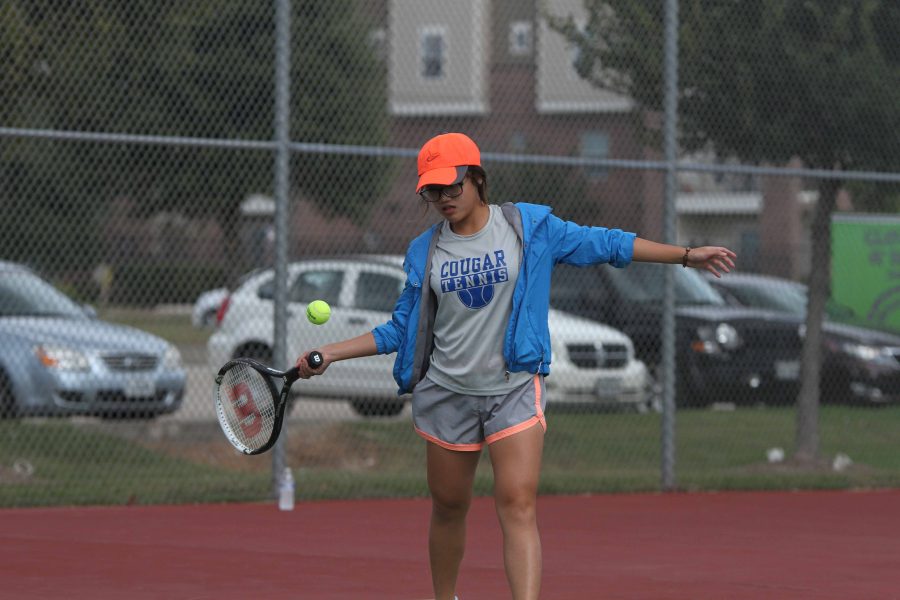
[538, 418]
[448, 446]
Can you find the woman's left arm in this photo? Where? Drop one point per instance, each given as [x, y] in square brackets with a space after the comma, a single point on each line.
[714, 259]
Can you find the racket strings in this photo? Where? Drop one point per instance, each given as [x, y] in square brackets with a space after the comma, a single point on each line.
[245, 402]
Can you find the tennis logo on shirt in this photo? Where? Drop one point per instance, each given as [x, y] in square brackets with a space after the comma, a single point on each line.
[473, 279]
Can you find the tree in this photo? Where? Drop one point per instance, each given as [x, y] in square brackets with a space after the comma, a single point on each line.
[538, 183]
[765, 82]
[186, 69]
[223, 84]
[219, 73]
[339, 96]
[49, 187]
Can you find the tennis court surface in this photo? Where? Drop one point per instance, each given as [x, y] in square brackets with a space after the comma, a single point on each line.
[822, 545]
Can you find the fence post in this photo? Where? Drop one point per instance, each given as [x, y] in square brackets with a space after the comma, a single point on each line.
[668, 321]
[281, 183]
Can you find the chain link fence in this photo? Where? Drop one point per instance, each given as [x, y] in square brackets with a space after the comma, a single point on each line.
[139, 240]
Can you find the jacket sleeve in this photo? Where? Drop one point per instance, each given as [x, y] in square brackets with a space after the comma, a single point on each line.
[389, 335]
[584, 245]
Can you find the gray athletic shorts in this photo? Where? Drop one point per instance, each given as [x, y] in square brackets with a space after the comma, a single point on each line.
[461, 422]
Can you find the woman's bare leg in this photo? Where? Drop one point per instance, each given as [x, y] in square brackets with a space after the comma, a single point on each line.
[450, 477]
[517, 464]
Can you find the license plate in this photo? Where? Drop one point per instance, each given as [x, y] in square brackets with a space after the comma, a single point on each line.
[139, 388]
[787, 370]
[608, 387]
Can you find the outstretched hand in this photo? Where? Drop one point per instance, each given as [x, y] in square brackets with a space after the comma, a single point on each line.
[715, 259]
[306, 371]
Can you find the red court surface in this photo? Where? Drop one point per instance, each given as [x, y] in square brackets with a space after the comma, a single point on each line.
[822, 545]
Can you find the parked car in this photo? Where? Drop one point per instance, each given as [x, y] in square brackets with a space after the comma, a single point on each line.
[858, 364]
[209, 307]
[206, 307]
[722, 353]
[591, 362]
[57, 358]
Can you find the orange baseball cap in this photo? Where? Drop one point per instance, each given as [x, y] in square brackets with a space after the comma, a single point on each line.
[444, 158]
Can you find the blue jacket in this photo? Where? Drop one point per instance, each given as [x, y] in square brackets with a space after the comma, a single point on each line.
[546, 241]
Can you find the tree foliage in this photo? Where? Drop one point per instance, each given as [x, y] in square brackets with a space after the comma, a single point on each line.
[564, 186]
[765, 81]
[760, 81]
[167, 68]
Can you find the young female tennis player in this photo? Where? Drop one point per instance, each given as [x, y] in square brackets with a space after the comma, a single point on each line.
[472, 341]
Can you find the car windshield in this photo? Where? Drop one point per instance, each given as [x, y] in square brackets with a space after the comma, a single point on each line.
[790, 298]
[24, 295]
[643, 283]
[779, 297]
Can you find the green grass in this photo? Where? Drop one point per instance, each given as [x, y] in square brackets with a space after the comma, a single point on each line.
[93, 463]
[175, 328]
[72, 465]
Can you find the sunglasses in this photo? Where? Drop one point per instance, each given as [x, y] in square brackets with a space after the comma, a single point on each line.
[435, 192]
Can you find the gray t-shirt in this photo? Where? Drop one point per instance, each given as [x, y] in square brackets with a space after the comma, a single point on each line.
[473, 277]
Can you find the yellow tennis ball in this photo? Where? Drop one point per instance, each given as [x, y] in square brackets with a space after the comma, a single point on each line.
[318, 312]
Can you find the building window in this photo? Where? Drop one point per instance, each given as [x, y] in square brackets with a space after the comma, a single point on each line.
[520, 38]
[434, 49]
[595, 144]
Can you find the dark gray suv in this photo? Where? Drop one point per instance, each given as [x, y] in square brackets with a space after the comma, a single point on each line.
[859, 365]
[723, 353]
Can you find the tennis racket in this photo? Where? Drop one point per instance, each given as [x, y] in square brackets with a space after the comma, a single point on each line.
[249, 406]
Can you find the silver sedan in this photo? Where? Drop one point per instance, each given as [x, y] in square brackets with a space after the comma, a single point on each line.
[57, 358]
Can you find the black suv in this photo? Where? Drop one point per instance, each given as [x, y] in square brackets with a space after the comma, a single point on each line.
[722, 353]
[859, 365]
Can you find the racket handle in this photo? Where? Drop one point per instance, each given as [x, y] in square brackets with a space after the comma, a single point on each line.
[315, 359]
[292, 375]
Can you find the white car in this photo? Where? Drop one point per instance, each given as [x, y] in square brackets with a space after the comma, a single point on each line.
[591, 362]
[205, 312]
[206, 307]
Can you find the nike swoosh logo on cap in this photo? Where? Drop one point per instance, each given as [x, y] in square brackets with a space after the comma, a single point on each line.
[431, 157]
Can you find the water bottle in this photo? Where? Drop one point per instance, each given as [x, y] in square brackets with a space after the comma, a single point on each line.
[286, 490]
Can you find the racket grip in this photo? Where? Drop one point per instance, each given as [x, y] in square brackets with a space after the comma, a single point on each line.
[315, 359]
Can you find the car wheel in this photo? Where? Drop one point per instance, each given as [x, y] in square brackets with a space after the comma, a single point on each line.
[256, 351]
[377, 408]
[8, 409]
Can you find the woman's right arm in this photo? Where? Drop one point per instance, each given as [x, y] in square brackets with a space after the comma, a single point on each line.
[363, 345]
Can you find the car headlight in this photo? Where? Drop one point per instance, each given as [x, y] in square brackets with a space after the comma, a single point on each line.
[64, 359]
[172, 358]
[716, 340]
[727, 336]
[867, 353]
